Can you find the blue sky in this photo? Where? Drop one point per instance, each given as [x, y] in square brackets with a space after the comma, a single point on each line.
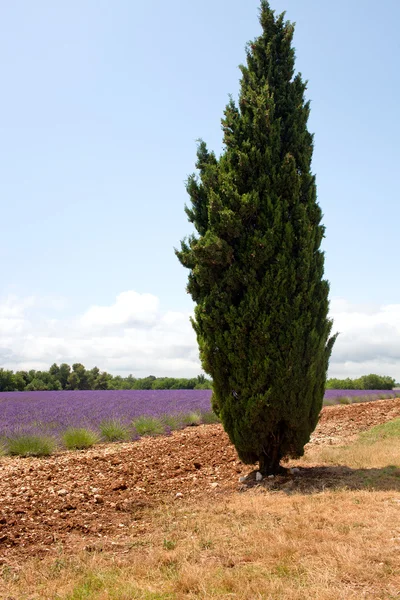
[101, 107]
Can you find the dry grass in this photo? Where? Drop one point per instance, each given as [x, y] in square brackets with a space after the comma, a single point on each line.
[356, 456]
[377, 448]
[336, 545]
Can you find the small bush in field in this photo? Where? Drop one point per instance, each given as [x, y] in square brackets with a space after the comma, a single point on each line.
[146, 425]
[77, 438]
[345, 400]
[359, 399]
[191, 418]
[329, 402]
[173, 421]
[208, 418]
[30, 445]
[114, 430]
[386, 395]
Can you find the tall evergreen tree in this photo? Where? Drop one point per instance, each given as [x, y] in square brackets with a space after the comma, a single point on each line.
[256, 268]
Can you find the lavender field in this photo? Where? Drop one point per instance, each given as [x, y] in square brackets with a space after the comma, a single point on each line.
[350, 396]
[53, 412]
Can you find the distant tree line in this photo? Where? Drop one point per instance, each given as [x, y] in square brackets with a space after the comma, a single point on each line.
[77, 377]
[366, 382]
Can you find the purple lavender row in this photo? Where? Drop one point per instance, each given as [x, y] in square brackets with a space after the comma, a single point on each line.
[52, 412]
[373, 394]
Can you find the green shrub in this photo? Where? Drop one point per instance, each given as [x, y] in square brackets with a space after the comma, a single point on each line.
[358, 399]
[146, 425]
[385, 396]
[30, 445]
[208, 418]
[345, 400]
[114, 430]
[79, 438]
[173, 421]
[329, 402]
[191, 418]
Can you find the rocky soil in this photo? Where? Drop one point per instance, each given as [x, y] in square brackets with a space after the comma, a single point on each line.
[103, 495]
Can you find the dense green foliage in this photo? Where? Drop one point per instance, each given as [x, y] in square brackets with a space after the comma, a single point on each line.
[64, 377]
[256, 268]
[365, 382]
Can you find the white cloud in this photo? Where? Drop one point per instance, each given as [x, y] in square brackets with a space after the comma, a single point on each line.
[134, 335]
[369, 339]
[130, 308]
[10, 325]
[14, 307]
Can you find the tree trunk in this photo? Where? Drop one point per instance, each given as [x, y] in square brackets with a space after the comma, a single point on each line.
[270, 464]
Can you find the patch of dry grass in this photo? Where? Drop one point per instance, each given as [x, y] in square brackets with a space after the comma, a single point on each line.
[255, 545]
[356, 456]
[377, 448]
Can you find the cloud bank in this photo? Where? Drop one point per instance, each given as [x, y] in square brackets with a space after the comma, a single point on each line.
[135, 335]
[369, 339]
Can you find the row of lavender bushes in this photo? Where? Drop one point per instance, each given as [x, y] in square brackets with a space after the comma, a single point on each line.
[32, 443]
[80, 419]
[333, 397]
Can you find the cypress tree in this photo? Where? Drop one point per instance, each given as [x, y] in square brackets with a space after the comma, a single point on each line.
[256, 268]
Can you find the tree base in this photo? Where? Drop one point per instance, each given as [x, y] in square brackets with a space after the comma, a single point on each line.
[269, 467]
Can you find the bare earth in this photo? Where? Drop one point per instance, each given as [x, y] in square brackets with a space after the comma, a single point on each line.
[79, 499]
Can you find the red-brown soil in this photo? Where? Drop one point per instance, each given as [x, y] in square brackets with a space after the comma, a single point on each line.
[103, 495]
